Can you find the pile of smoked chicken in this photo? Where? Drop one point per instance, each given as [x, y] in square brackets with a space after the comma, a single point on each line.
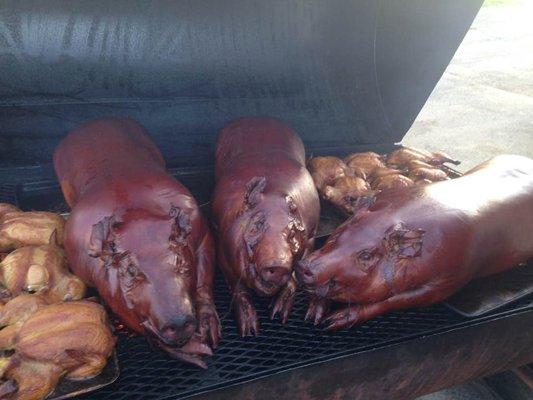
[47, 330]
[346, 182]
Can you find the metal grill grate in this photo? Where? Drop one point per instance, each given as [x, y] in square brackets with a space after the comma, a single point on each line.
[150, 374]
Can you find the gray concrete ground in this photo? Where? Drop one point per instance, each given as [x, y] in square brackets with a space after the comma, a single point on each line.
[481, 107]
[483, 104]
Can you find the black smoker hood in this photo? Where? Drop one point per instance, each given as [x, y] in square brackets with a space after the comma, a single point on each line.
[341, 72]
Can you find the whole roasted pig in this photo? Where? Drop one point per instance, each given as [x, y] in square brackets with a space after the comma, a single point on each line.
[137, 235]
[265, 211]
[418, 245]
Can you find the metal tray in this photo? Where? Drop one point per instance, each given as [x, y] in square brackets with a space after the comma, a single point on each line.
[485, 295]
[67, 388]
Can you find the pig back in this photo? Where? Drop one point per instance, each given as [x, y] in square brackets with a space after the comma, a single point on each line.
[100, 149]
[256, 135]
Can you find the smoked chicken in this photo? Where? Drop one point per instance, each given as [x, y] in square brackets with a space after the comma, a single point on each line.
[430, 174]
[366, 162]
[403, 156]
[345, 192]
[326, 170]
[391, 181]
[35, 228]
[43, 342]
[40, 269]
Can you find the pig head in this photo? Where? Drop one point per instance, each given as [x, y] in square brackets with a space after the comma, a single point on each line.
[147, 271]
[264, 239]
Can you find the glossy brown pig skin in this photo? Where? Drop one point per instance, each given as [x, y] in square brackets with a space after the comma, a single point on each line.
[417, 246]
[137, 235]
[265, 211]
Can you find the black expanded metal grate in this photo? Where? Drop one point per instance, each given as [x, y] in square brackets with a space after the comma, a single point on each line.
[150, 374]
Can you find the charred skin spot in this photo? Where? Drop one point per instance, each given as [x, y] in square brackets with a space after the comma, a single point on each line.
[254, 192]
[257, 226]
[401, 242]
[296, 229]
[178, 241]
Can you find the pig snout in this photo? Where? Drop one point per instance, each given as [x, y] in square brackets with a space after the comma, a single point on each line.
[175, 331]
[304, 273]
[178, 330]
[276, 275]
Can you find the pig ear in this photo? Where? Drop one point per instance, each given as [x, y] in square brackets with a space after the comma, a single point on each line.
[101, 233]
[181, 228]
[254, 192]
[403, 242]
[257, 226]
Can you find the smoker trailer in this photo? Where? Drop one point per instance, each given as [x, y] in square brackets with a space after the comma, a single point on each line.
[348, 75]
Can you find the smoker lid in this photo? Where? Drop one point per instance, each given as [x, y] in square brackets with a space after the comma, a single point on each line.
[342, 73]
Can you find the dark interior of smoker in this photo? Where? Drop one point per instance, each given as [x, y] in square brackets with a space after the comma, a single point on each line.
[347, 75]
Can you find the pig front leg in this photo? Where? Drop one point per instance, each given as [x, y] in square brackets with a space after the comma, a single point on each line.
[318, 307]
[247, 321]
[206, 313]
[193, 352]
[354, 315]
[284, 301]
[241, 300]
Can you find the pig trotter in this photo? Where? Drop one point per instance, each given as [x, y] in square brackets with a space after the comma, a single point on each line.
[284, 302]
[193, 352]
[208, 322]
[247, 321]
[318, 307]
[344, 318]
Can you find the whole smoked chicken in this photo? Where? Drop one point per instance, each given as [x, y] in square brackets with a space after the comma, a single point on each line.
[326, 170]
[43, 342]
[346, 191]
[404, 156]
[367, 162]
[265, 210]
[19, 228]
[417, 246]
[137, 235]
[40, 269]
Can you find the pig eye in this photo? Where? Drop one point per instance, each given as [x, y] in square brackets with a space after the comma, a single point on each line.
[365, 255]
[132, 271]
[333, 283]
[367, 258]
